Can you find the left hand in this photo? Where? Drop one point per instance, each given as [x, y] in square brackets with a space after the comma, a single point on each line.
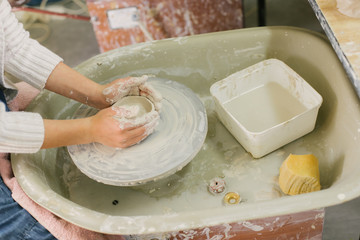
[131, 86]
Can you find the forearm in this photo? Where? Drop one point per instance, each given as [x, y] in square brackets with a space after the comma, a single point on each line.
[69, 83]
[60, 133]
[102, 128]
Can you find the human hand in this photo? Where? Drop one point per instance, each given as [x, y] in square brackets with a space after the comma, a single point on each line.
[117, 126]
[131, 86]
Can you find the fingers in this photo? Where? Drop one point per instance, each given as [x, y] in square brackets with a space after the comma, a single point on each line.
[150, 127]
[127, 112]
[130, 129]
[131, 123]
[135, 81]
[133, 137]
[134, 91]
[123, 87]
[147, 90]
[119, 127]
[136, 134]
[133, 86]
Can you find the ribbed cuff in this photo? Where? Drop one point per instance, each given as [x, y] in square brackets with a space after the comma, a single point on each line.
[33, 64]
[20, 132]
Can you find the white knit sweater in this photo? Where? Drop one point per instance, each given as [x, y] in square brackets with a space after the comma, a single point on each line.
[27, 60]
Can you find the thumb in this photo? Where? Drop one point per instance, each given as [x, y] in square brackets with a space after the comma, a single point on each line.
[125, 111]
[138, 121]
[135, 81]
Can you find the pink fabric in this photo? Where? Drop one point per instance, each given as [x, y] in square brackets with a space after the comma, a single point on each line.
[60, 228]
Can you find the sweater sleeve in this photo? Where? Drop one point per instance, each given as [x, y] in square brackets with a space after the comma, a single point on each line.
[20, 132]
[25, 58]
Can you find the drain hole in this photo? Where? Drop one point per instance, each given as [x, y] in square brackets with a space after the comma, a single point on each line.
[115, 202]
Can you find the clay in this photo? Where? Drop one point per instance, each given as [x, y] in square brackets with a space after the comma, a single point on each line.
[139, 105]
[175, 141]
[138, 111]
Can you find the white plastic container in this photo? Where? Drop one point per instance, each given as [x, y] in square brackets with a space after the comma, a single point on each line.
[266, 106]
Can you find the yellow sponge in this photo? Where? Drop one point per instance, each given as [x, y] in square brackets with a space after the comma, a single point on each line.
[299, 174]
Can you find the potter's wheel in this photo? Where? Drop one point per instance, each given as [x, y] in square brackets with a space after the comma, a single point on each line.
[175, 142]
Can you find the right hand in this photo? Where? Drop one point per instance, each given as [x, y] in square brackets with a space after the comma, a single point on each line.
[108, 130]
[133, 86]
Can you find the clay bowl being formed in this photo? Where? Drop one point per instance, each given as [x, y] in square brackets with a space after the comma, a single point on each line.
[143, 104]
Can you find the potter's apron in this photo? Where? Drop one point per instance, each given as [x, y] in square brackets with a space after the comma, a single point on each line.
[3, 99]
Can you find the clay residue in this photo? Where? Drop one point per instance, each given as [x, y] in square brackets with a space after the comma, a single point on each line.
[175, 141]
[350, 8]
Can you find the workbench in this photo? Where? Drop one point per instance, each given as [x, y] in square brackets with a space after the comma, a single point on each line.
[344, 35]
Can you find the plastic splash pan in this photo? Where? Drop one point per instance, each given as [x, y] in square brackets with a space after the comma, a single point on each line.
[182, 201]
